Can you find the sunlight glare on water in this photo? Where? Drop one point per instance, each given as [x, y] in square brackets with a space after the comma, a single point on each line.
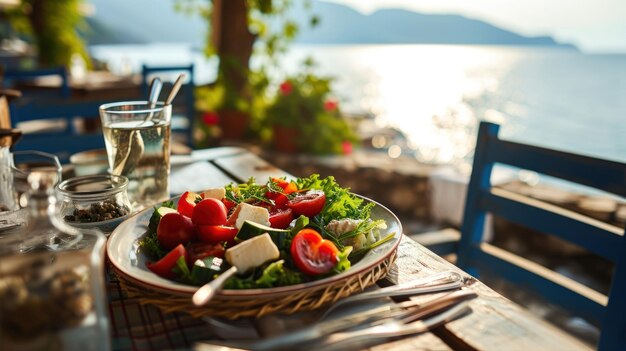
[421, 91]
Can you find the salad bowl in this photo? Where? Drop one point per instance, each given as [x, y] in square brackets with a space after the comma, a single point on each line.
[129, 264]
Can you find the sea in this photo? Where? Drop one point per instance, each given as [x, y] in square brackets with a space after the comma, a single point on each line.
[435, 95]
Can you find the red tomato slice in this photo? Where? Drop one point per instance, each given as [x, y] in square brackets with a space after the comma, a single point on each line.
[187, 202]
[312, 254]
[309, 204]
[280, 217]
[198, 251]
[209, 212]
[164, 266]
[214, 234]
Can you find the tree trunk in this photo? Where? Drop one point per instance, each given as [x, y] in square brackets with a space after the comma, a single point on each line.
[37, 19]
[233, 42]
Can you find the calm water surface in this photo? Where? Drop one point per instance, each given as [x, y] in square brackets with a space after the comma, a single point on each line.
[436, 93]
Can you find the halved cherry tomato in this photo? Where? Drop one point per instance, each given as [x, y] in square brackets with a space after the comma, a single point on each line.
[280, 217]
[216, 233]
[164, 266]
[288, 187]
[279, 198]
[312, 254]
[175, 229]
[198, 251]
[187, 202]
[209, 212]
[229, 204]
[309, 204]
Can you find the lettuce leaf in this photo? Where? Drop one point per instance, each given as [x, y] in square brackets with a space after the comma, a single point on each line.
[343, 263]
[273, 275]
[340, 203]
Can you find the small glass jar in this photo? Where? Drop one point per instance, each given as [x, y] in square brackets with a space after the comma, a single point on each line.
[99, 201]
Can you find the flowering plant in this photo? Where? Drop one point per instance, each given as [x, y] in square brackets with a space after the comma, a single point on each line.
[303, 104]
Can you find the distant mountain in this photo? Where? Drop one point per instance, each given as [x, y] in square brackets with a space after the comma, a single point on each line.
[116, 21]
[142, 21]
[343, 25]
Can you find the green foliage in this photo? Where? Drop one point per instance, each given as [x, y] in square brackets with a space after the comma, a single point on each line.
[304, 103]
[52, 25]
[308, 108]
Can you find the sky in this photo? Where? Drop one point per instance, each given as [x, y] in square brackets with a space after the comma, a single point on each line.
[592, 25]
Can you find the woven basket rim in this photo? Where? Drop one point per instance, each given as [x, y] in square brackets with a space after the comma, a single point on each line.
[233, 308]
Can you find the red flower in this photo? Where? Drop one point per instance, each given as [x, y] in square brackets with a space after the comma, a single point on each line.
[210, 118]
[286, 88]
[346, 147]
[330, 105]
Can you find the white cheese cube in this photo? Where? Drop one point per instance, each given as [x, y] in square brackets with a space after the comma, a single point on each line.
[246, 212]
[214, 193]
[252, 253]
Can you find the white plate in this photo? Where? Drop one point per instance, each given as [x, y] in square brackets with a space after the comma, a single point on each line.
[123, 253]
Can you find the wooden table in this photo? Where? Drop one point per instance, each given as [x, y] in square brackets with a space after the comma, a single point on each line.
[494, 324]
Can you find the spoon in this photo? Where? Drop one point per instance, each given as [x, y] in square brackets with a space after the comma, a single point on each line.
[155, 91]
[207, 291]
[175, 89]
[125, 162]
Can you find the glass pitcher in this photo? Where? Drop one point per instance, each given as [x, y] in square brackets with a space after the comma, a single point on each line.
[52, 291]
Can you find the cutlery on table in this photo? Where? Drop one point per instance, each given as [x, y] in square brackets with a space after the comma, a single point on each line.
[391, 329]
[388, 321]
[443, 281]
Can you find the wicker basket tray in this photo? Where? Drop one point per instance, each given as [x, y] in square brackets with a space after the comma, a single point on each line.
[223, 306]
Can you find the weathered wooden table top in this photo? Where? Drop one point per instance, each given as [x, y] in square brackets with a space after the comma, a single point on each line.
[495, 322]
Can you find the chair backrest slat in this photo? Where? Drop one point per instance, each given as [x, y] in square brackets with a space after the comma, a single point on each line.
[15, 77]
[552, 289]
[600, 238]
[597, 237]
[600, 174]
[60, 109]
[62, 142]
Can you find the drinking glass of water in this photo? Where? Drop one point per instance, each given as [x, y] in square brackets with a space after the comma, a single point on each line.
[137, 138]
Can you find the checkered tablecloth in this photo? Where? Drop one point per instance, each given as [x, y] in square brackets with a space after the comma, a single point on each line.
[134, 326]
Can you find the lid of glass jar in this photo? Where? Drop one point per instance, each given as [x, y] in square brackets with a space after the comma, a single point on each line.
[93, 185]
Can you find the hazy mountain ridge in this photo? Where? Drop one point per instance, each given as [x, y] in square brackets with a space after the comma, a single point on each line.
[116, 22]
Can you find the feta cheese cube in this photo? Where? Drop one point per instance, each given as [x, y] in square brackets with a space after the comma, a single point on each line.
[246, 212]
[214, 193]
[252, 253]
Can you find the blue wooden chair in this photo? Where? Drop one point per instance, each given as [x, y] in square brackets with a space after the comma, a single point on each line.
[53, 126]
[599, 238]
[15, 78]
[184, 110]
